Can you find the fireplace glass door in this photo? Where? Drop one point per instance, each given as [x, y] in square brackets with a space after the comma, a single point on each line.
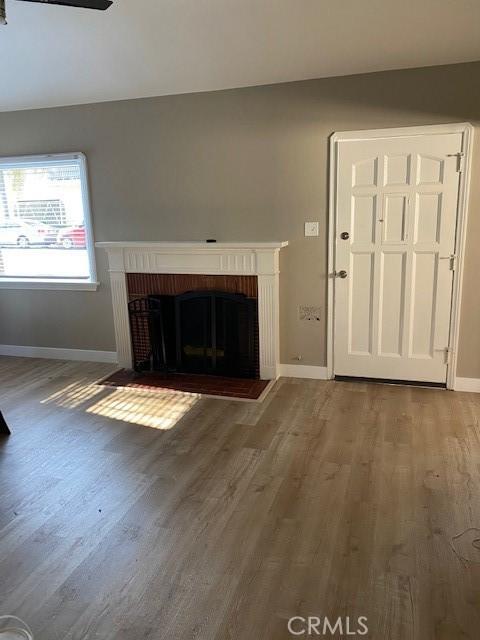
[216, 333]
[198, 332]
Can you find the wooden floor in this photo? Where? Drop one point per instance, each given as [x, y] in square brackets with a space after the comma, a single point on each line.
[130, 515]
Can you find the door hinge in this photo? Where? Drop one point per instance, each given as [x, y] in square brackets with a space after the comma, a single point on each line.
[460, 156]
[452, 261]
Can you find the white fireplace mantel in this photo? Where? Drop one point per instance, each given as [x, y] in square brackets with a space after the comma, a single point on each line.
[209, 258]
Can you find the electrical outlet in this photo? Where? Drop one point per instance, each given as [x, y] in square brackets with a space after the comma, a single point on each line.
[309, 313]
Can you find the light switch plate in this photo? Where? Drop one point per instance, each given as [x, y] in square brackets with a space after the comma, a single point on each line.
[311, 229]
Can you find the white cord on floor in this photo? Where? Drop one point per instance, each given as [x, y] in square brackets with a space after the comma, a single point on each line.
[24, 629]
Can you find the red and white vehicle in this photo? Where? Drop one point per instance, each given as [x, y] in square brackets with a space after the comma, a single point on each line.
[72, 237]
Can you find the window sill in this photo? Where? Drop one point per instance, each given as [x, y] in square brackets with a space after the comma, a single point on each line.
[50, 285]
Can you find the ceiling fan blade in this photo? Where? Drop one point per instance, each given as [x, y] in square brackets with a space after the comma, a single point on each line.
[101, 5]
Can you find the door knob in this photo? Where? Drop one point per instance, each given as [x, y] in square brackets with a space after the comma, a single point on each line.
[341, 274]
[344, 235]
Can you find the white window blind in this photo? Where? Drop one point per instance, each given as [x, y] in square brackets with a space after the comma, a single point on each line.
[45, 227]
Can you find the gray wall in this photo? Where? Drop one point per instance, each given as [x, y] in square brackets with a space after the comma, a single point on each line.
[245, 164]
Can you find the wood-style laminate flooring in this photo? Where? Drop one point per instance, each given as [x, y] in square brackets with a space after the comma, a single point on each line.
[136, 515]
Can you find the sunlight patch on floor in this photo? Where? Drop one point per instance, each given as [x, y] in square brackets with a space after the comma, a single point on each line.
[73, 395]
[159, 410]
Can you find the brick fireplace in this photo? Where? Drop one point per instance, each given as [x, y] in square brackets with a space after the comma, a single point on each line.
[244, 270]
[193, 323]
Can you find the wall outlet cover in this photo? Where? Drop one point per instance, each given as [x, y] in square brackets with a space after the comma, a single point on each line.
[309, 314]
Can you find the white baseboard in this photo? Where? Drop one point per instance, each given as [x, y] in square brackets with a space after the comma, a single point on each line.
[54, 353]
[467, 384]
[471, 385]
[89, 355]
[303, 371]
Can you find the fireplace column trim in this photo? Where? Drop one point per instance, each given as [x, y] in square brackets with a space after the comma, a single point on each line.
[260, 259]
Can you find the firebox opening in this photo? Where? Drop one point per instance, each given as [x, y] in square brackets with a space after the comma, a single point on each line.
[206, 332]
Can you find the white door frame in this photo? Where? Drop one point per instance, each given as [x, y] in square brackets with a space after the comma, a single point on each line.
[462, 213]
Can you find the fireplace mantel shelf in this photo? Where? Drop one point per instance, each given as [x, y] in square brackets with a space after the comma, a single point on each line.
[202, 246]
[260, 259]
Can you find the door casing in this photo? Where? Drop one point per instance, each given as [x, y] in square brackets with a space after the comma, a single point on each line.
[467, 130]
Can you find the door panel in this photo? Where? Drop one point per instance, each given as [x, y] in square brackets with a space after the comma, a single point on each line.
[365, 173]
[397, 170]
[364, 211]
[361, 306]
[422, 327]
[428, 217]
[392, 287]
[394, 218]
[397, 199]
[429, 170]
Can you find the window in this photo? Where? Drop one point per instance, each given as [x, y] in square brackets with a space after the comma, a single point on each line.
[45, 229]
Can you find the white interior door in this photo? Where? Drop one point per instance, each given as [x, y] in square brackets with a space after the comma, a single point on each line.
[396, 212]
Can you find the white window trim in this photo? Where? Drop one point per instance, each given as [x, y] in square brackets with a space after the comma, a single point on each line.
[61, 284]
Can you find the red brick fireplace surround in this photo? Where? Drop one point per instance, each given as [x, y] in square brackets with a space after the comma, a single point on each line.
[144, 284]
[140, 285]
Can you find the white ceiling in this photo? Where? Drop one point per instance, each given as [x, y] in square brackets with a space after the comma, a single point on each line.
[53, 55]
